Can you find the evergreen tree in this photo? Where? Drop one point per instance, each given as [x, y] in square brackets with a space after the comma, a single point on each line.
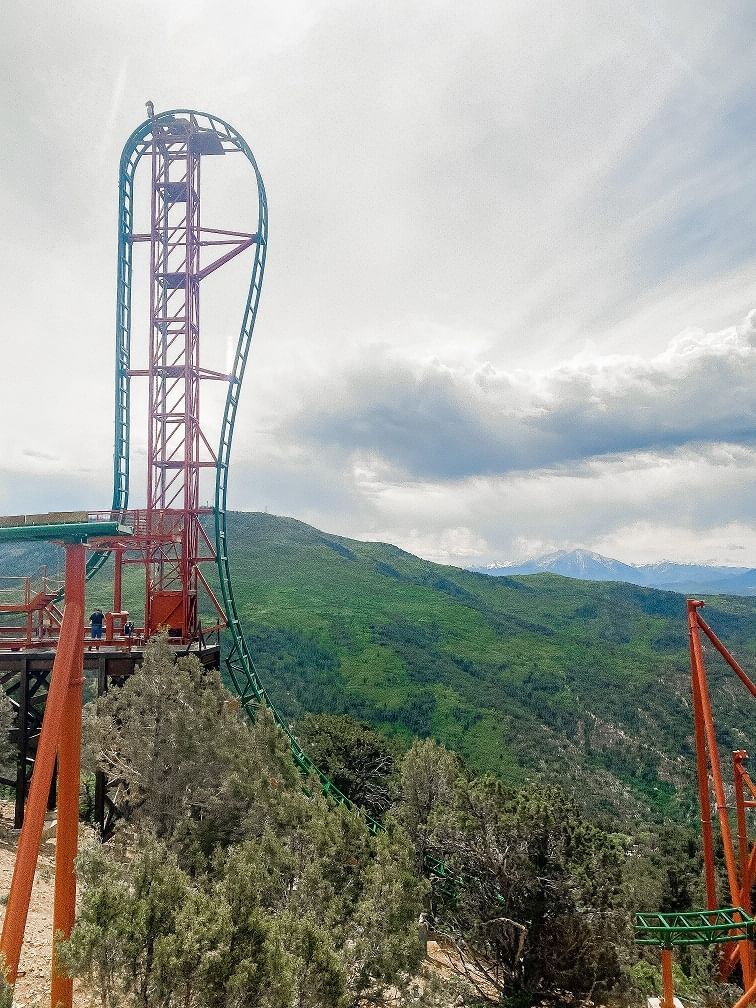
[235, 885]
[188, 766]
[359, 760]
[428, 775]
[535, 896]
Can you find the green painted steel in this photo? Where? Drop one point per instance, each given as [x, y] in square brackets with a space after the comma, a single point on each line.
[697, 927]
[73, 532]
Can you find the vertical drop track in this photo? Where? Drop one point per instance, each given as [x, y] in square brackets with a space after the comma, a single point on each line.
[239, 663]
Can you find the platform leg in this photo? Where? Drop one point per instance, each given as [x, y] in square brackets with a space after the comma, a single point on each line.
[23, 744]
[668, 1000]
[64, 669]
[66, 849]
[748, 998]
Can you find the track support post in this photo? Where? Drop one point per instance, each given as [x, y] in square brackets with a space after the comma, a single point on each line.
[668, 1000]
[61, 735]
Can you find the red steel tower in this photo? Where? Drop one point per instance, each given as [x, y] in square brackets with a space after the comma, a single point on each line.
[169, 536]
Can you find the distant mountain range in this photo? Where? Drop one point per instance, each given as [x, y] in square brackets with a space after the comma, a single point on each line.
[684, 578]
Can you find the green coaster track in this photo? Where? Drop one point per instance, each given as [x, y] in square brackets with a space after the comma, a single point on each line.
[239, 664]
[695, 927]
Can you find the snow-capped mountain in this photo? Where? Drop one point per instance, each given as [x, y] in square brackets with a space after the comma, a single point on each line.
[589, 566]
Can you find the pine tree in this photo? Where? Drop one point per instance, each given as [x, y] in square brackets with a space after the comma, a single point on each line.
[360, 761]
[234, 884]
[534, 901]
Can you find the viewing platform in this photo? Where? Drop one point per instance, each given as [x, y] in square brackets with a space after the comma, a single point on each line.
[32, 611]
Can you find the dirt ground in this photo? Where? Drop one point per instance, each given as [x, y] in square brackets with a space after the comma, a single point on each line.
[33, 983]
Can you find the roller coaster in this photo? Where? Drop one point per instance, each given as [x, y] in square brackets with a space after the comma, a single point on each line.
[168, 538]
[42, 654]
[180, 138]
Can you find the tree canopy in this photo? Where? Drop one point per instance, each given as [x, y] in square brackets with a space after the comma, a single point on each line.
[234, 881]
[230, 883]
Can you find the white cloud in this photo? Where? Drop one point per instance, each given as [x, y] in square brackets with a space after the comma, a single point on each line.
[504, 218]
[688, 504]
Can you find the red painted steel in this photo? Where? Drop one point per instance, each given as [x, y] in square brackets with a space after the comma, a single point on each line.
[31, 599]
[169, 538]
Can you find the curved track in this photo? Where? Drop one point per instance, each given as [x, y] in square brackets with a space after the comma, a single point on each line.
[239, 663]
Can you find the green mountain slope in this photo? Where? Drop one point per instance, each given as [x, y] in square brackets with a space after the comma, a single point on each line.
[527, 677]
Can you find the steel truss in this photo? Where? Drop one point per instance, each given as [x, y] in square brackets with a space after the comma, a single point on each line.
[169, 537]
[733, 926]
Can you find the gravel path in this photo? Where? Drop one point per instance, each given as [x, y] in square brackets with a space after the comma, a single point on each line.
[33, 983]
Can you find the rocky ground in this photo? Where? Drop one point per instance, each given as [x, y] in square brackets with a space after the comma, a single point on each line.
[33, 984]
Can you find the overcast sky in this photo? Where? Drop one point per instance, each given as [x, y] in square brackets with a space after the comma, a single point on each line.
[510, 295]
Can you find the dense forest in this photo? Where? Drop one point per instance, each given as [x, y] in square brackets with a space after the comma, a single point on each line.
[527, 678]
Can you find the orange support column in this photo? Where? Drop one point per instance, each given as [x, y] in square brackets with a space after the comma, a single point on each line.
[67, 666]
[702, 768]
[745, 948]
[69, 760]
[668, 1000]
[713, 752]
[748, 997]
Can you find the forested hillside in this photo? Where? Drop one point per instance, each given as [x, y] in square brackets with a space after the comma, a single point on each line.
[577, 690]
[525, 677]
[534, 676]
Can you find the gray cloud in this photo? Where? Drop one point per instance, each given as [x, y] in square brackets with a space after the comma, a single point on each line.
[693, 503]
[438, 421]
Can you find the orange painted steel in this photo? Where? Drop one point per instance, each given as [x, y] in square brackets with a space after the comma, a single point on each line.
[713, 753]
[745, 856]
[735, 666]
[748, 997]
[668, 1001]
[741, 865]
[60, 717]
[702, 769]
[742, 780]
[69, 773]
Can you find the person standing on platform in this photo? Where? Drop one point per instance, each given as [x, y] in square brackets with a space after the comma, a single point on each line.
[97, 619]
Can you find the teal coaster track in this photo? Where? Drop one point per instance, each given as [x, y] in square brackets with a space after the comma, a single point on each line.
[239, 664]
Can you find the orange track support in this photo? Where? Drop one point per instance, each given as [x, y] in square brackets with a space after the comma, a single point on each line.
[67, 844]
[748, 997]
[739, 865]
[61, 735]
[668, 1001]
[707, 835]
[716, 771]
